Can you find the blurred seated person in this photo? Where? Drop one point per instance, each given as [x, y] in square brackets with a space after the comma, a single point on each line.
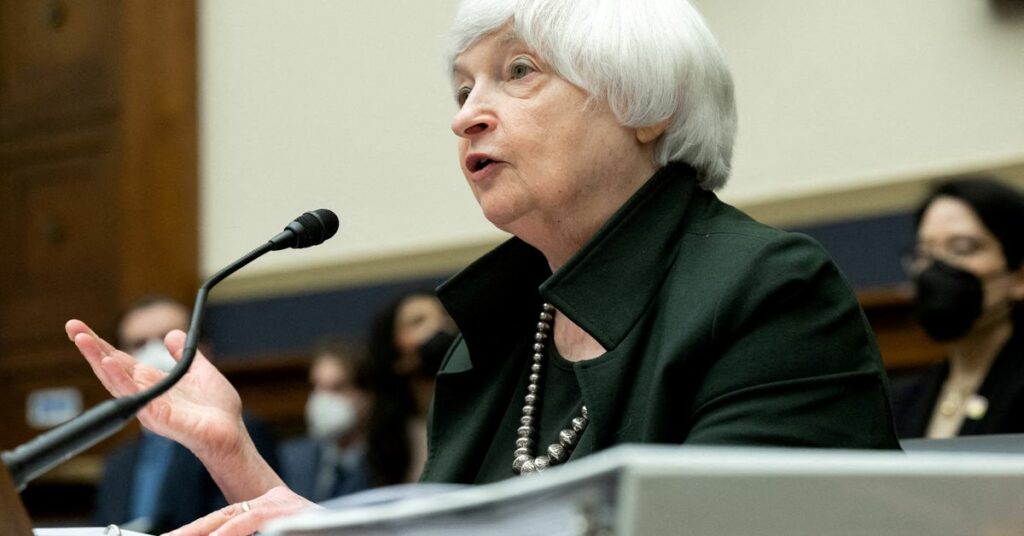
[969, 283]
[409, 337]
[151, 483]
[332, 461]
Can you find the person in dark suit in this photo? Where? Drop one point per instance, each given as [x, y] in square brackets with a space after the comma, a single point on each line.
[631, 304]
[152, 483]
[332, 461]
[968, 272]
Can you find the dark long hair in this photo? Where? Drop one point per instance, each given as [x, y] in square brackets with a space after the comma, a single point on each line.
[999, 207]
[389, 447]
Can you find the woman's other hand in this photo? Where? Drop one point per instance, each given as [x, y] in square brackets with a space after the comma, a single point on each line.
[246, 517]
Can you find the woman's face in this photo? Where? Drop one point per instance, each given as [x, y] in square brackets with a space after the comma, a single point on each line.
[417, 320]
[534, 151]
[950, 230]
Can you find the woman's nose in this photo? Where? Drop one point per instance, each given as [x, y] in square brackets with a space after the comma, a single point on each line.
[474, 117]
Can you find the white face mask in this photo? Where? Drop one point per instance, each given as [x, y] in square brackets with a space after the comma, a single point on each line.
[155, 354]
[329, 416]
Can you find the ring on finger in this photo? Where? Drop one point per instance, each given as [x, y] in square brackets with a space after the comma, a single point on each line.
[246, 507]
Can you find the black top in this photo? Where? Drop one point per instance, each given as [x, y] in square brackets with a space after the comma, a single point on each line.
[559, 401]
[915, 395]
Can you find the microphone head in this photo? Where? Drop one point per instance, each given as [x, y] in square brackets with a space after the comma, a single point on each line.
[309, 229]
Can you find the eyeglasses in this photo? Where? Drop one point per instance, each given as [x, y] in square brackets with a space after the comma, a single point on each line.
[956, 251]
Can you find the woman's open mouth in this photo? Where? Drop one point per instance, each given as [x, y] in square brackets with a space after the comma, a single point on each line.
[479, 165]
[482, 163]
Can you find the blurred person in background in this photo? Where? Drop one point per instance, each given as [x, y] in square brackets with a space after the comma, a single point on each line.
[151, 483]
[409, 337]
[969, 281]
[331, 461]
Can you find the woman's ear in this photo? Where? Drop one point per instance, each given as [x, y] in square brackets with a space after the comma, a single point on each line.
[650, 133]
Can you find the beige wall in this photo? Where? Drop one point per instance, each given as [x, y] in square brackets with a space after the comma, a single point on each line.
[335, 104]
[836, 94]
[346, 105]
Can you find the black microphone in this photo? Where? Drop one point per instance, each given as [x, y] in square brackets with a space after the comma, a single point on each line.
[56, 446]
[309, 229]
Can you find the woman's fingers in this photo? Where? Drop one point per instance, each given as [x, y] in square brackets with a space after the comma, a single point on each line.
[246, 517]
[242, 525]
[119, 373]
[211, 522]
[175, 343]
[93, 347]
[75, 327]
[89, 345]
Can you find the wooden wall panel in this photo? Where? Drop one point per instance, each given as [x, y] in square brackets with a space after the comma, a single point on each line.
[98, 188]
[902, 342]
[59, 246]
[158, 190]
[57, 61]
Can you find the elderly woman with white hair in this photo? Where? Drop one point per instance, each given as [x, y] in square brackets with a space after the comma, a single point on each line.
[631, 305]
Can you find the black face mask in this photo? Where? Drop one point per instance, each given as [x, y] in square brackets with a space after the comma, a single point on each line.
[433, 350]
[949, 301]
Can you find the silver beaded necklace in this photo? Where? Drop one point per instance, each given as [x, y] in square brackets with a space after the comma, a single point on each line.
[523, 460]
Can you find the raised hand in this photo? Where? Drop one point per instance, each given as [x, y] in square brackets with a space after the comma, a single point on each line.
[202, 411]
[246, 517]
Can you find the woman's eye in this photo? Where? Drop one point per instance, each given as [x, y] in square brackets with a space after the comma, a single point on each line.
[520, 69]
[462, 95]
[964, 247]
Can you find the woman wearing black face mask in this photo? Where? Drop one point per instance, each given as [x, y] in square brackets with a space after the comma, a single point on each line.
[969, 279]
[409, 338]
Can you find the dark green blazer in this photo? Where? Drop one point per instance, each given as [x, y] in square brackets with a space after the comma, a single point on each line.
[719, 330]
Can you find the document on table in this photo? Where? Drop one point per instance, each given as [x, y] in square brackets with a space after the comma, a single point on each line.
[111, 530]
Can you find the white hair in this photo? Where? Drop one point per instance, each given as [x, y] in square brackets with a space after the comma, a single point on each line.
[649, 60]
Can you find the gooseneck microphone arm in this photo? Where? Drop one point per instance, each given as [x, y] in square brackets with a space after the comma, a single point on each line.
[60, 444]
